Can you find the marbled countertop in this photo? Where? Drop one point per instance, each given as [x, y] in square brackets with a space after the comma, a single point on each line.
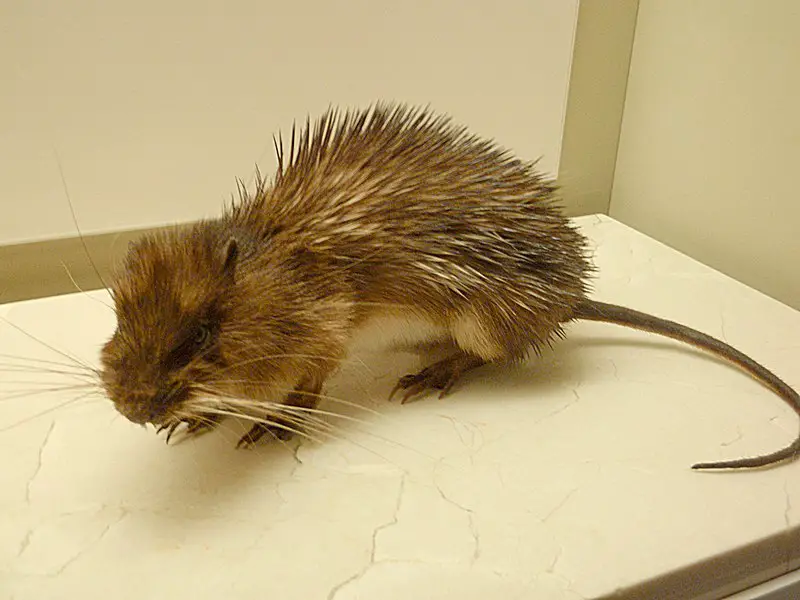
[565, 478]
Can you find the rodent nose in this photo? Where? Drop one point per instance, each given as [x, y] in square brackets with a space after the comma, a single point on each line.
[143, 408]
[135, 412]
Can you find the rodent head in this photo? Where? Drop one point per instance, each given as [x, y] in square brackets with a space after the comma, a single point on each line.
[203, 329]
[170, 300]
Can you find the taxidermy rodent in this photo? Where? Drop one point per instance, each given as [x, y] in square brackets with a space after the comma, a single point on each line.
[392, 211]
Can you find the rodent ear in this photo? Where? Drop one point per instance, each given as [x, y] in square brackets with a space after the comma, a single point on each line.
[231, 255]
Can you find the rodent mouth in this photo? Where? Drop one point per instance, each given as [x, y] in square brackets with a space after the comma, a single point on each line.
[156, 410]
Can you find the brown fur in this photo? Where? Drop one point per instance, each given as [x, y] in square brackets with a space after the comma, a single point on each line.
[390, 210]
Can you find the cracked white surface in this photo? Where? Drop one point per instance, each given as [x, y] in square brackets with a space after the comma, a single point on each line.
[566, 478]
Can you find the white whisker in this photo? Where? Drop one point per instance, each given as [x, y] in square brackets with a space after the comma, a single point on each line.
[309, 357]
[48, 374]
[36, 382]
[261, 421]
[218, 394]
[45, 412]
[23, 394]
[80, 289]
[357, 421]
[316, 411]
[44, 361]
[66, 355]
[335, 399]
[75, 221]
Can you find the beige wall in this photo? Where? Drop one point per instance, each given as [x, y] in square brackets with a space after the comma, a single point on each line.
[710, 142]
[154, 108]
[154, 113]
[598, 81]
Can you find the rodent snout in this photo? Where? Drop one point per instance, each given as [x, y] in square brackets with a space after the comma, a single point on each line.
[135, 412]
[145, 408]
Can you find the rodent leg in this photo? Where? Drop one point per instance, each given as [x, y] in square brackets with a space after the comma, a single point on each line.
[441, 375]
[306, 395]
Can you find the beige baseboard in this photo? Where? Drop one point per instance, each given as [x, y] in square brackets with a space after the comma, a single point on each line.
[61, 266]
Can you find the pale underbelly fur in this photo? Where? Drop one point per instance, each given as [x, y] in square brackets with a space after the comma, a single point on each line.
[396, 330]
[407, 331]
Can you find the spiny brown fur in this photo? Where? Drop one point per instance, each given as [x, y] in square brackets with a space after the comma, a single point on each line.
[407, 205]
[389, 206]
[386, 211]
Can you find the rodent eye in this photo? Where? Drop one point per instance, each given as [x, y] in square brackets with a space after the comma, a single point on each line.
[195, 342]
[202, 335]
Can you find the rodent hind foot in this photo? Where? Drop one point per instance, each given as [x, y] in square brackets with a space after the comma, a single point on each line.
[440, 375]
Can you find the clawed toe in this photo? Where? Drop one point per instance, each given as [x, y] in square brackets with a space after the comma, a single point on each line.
[439, 376]
[194, 427]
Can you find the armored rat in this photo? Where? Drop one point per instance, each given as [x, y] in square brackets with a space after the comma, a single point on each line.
[387, 212]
